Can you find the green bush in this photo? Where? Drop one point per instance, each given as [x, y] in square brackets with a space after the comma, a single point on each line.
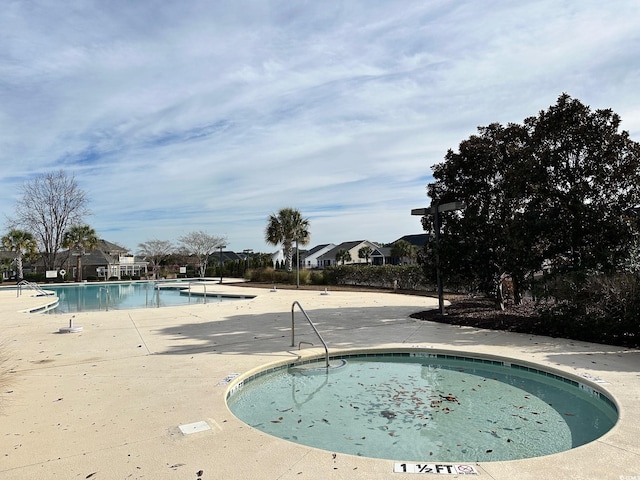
[269, 275]
[405, 277]
[304, 276]
[35, 277]
[594, 308]
[317, 277]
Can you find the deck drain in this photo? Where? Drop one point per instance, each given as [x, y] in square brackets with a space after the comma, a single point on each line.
[195, 427]
[227, 380]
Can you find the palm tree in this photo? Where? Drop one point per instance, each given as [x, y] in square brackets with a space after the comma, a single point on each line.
[22, 243]
[80, 238]
[343, 255]
[402, 250]
[365, 252]
[285, 227]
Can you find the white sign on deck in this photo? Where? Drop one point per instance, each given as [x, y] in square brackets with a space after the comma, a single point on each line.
[434, 468]
[195, 427]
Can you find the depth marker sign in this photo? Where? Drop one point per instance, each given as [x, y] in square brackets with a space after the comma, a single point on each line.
[434, 468]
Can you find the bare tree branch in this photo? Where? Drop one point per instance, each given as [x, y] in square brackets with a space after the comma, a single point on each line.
[202, 245]
[50, 204]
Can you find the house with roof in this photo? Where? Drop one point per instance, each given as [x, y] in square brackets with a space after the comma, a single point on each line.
[228, 256]
[106, 261]
[417, 240]
[382, 255]
[328, 259]
[310, 258]
[277, 257]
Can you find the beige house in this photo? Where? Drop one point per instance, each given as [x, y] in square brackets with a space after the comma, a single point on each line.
[328, 259]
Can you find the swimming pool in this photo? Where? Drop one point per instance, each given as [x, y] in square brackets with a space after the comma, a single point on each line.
[424, 406]
[89, 297]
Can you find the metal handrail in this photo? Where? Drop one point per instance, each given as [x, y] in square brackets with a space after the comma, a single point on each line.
[293, 342]
[204, 285]
[34, 286]
[106, 298]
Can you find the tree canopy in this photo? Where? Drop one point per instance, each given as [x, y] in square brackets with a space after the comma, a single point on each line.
[21, 243]
[402, 250]
[49, 205]
[284, 228]
[343, 256]
[365, 252]
[155, 252]
[78, 239]
[553, 192]
[202, 245]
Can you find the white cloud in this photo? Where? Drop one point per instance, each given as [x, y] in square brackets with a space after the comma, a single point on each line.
[211, 115]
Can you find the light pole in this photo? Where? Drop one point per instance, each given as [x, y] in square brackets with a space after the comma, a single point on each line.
[435, 210]
[247, 252]
[297, 263]
[221, 247]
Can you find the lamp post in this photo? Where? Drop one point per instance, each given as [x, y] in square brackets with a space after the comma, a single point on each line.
[297, 263]
[435, 210]
[221, 247]
[247, 252]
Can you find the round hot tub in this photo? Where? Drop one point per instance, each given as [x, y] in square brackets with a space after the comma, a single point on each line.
[424, 405]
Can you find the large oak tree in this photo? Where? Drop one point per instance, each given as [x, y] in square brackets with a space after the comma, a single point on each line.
[552, 192]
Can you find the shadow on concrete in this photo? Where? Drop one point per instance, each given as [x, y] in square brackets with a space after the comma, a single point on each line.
[271, 332]
[268, 333]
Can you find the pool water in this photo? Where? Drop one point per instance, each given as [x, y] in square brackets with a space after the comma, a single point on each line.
[129, 295]
[417, 408]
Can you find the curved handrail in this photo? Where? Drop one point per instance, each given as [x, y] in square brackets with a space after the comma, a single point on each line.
[293, 342]
[32, 286]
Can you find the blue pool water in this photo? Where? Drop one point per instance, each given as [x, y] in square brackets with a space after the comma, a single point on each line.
[88, 297]
[422, 407]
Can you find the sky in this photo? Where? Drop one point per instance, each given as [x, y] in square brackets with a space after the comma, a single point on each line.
[199, 115]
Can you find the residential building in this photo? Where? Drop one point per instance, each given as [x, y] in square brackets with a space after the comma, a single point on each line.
[382, 255]
[310, 258]
[328, 259]
[105, 262]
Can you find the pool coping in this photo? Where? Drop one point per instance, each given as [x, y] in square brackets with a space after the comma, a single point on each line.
[592, 386]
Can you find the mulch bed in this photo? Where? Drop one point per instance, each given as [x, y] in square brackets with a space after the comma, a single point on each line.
[482, 313]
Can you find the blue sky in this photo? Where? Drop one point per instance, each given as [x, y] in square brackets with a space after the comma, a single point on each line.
[176, 116]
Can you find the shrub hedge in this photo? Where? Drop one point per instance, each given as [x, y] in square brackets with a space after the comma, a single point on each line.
[594, 308]
[404, 277]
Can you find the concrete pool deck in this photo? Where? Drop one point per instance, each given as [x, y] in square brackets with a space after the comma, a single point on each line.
[108, 403]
